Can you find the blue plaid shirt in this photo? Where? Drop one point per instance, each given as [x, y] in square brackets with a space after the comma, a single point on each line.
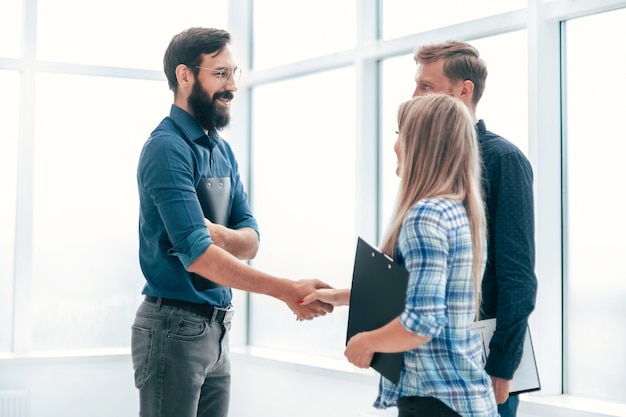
[436, 248]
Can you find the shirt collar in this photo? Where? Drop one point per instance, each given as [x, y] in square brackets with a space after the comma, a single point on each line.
[481, 127]
[192, 129]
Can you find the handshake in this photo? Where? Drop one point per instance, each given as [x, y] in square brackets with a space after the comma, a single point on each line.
[319, 299]
[322, 300]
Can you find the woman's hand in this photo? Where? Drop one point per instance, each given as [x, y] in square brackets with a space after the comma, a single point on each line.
[358, 351]
[333, 296]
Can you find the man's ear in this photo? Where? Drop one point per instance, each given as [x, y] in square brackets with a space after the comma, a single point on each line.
[184, 76]
[467, 91]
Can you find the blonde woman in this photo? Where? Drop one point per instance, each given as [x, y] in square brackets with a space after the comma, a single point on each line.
[437, 232]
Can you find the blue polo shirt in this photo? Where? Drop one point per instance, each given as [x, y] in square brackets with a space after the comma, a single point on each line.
[172, 233]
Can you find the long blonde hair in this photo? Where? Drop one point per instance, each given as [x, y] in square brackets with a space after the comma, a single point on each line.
[440, 158]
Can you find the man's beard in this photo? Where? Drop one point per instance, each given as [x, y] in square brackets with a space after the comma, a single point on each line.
[204, 108]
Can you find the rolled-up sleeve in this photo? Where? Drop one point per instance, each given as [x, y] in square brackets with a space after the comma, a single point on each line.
[166, 178]
[191, 247]
[424, 246]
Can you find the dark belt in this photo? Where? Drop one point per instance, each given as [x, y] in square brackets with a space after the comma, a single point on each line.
[215, 314]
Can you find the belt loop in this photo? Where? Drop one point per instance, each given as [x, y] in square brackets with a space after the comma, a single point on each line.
[158, 303]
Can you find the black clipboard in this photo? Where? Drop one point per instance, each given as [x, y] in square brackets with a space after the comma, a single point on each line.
[214, 197]
[378, 296]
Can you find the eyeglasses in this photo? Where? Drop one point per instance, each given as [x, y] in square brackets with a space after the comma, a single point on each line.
[224, 74]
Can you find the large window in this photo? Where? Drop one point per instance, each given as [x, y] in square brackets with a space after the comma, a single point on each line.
[79, 99]
[595, 287]
[303, 188]
[86, 277]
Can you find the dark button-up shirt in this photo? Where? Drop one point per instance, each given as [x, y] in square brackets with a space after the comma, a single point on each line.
[172, 232]
[509, 284]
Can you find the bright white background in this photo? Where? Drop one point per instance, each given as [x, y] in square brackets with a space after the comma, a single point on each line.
[313, 128]
[595, 148]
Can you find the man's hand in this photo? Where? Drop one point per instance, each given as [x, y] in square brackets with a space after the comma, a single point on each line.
[299, 290]
[500, 389]
[217, 232]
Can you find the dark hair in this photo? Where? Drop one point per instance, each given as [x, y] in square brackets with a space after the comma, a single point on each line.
[461, 62]
[188, 47]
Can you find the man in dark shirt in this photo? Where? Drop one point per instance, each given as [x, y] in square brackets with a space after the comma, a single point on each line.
[195, 227]
[509, 286]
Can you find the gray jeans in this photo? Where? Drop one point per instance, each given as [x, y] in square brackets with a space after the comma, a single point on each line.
[181, 362]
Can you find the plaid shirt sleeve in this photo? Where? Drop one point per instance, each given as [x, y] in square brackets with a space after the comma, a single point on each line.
[424, 247]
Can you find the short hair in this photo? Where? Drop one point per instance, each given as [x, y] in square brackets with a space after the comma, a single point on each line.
[461, 62]
[188, 47]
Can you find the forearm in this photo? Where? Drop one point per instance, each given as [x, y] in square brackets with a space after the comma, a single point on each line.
[343, 297]
[393, 337]
[506, 348]
[220, 266]
[334, 296]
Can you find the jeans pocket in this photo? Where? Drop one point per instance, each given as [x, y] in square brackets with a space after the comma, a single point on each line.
[141, 349]
[189, 329]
